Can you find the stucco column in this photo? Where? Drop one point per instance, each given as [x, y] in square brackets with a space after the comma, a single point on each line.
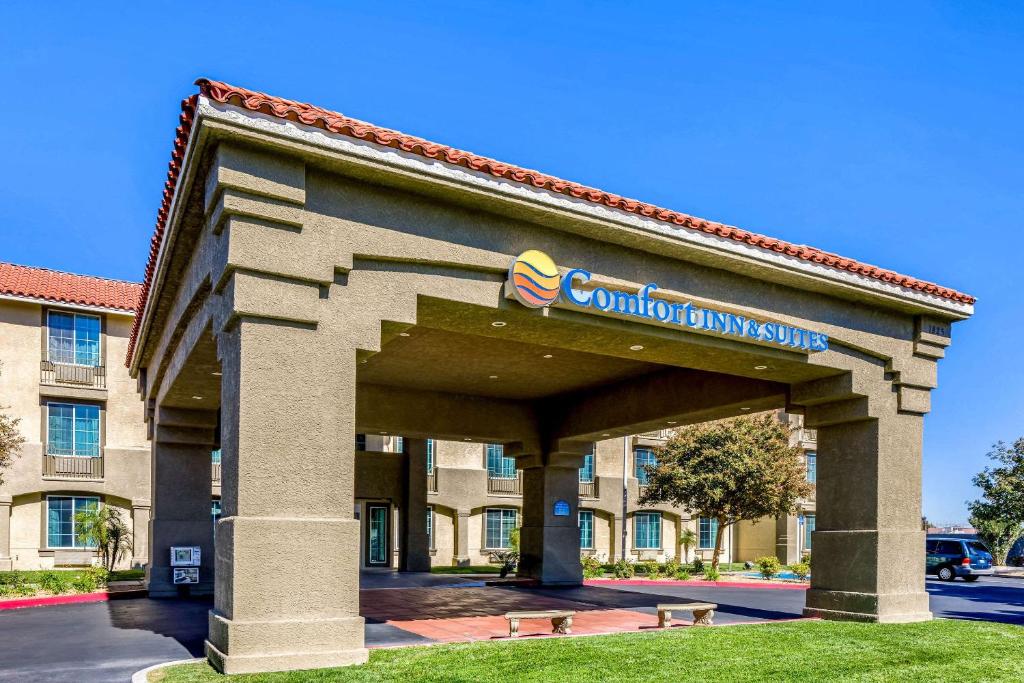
[869, 547]
[787, 534]
[6, 563]
[414, 548]
[287, 592]
[140, 532]
[461, 557]
[180, 498]
[550, 542]
[615, 538]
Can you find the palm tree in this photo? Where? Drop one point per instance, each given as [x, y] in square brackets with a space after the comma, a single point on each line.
[104, 530]
[687, 537]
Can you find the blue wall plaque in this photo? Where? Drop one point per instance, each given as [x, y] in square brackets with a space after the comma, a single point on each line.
[561, 508]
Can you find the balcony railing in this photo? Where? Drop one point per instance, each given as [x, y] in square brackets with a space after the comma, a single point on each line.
[657, 434]
[215, 472]
[64, 374]
[66, 466]
[809, 435]
[588, 489]
[432, 481]
[506, 486]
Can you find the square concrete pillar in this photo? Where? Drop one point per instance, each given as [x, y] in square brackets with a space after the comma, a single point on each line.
[180, 498]
[787, 536]
[461, 558]
[550, 536]
[6, 563]
[287, 591]
[868, 548]
[414, 548]
[141, 514]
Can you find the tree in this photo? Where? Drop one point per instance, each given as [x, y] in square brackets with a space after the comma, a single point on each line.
[730, 471]
[688, 537]
[11, 441]
[999, 514]
[105, 530]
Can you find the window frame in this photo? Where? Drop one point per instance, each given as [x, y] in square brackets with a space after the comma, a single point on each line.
[638, 470]
[713, 532]
[74, 511]
[808, 530]
[74, 431]
[501, 529]
[74, 337]
[647, 514]
[579, 520]
[489, 449]
[811, 467]
[587, 458]
[430, 528]
[430, 456]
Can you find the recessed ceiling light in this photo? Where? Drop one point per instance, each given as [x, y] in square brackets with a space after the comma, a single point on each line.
[494, 377]
[404, 334]
[467, 439]
[385, 433]
[198, 398]
[671, 422]
[636, 347]
[760, 367]
[606, 435]
[499, 323]
[216, 374]
[363, 360]
[744, 408]
[548, 355]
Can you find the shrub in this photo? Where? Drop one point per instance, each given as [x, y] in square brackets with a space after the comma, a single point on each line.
[623, 569]
[650, 568]
[769, 566]
[54, 582]
[672, 567]
[711, 574]
[682, 574]
[807, 559]
[86, 582]
[698, 565]
[100, 575]
[802, 570]
[592, 568]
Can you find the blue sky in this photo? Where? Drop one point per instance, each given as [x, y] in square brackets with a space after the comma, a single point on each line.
[888, 132]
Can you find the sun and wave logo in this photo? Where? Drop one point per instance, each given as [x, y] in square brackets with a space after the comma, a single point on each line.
[534, 279]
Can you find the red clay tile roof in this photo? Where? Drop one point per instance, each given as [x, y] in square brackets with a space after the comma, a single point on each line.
[334, 122]
[68, 288]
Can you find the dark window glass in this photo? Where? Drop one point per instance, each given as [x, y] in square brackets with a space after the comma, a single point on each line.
[950, 548]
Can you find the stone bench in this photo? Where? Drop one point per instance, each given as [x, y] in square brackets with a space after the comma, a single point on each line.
[703, 612]
[561, 620]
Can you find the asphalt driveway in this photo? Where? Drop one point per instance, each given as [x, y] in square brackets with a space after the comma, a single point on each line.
[108, 641]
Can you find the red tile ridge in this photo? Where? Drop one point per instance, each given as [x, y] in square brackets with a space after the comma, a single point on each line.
[33, 282]
[340, 124]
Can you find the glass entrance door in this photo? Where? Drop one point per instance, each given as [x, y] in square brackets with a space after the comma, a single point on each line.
[377, 534]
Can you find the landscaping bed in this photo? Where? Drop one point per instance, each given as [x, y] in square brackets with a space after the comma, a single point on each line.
[52, 582]
[792, 651]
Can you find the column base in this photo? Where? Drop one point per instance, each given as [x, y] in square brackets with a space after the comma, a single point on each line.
[290, 645]
[891, 608]
[551, 555]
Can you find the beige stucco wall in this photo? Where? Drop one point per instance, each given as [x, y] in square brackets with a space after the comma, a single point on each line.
[126, 454]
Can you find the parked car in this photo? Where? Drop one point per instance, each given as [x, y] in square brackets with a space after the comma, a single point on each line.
[949, 558]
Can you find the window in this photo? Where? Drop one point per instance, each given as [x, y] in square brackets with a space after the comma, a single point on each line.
[73, 429]
[644, 457]
[430, 527]
[808, 530]
[430, 456]
[399, 445]
[587, 471]
[73, 338]
[498, 465]
[500, 523]
[215, 457]
[586, 528]
[62, 528]
[812, 467]
[707, 531]
[647, 530]
[950, 548]
[215, 509]
[360, 442]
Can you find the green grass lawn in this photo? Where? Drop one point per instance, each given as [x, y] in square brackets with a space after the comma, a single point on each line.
[475, 569]
[791, 651]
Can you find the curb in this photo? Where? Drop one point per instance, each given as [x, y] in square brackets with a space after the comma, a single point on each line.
[19, 603]
[696, 583]
[142, 675]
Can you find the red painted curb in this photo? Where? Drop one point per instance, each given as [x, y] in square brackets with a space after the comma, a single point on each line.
[696, 582]
[18, 603]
